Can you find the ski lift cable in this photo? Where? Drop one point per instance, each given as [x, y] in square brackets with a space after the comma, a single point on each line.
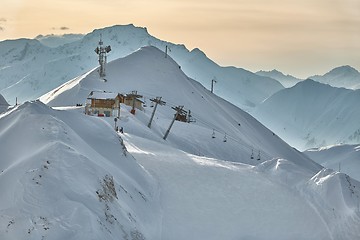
[234, 139]
[212, 126]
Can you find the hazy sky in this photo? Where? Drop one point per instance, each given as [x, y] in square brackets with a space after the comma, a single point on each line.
[298, 37]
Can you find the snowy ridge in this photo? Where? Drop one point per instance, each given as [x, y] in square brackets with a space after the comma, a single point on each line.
[61, 183]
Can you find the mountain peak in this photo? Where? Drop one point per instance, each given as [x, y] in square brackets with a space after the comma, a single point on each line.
[344, 70]
[343, 76]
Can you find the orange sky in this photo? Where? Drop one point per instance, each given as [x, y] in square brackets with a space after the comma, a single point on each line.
[299, 37]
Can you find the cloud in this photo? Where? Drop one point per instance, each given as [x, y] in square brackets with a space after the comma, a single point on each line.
[3, 20]
[61, 28]
[1, 28]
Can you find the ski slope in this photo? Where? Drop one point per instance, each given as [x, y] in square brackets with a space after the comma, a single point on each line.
[151, 74]
[206, 198]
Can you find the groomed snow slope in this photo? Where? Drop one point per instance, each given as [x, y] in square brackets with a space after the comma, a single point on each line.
[64, 175]
[148, 72]
[312, 114]
[207, 198]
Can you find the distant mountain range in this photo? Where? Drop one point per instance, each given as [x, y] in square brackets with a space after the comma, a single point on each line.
[312, 114]
[344, 76]
[286, 80]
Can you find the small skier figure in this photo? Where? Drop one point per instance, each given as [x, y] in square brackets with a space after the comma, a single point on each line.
[121, 129]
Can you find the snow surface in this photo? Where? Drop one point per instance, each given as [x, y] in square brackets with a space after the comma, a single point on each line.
[344, 158]
[29, 69]
[312, 114]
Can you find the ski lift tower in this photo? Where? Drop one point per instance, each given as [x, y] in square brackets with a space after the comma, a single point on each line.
[102, 51]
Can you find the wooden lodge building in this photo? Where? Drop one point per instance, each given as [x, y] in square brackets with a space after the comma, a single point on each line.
[107, 104]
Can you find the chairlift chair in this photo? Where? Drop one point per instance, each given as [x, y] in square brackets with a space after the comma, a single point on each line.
[225, 138]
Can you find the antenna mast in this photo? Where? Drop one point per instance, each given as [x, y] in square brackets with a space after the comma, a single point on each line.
[102, 51]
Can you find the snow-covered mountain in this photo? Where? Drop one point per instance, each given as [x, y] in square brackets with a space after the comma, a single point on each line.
[312, 114]
[344, 76]
[343, 158]
[286, 80]
[72, 167]
[149, 73]
[29, 69]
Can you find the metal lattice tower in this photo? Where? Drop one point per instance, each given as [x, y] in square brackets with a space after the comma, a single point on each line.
[102, 51]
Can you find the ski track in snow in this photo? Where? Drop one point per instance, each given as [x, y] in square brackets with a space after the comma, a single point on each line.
[195, 188]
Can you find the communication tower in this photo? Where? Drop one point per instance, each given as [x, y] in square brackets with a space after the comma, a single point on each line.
[102, 51]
